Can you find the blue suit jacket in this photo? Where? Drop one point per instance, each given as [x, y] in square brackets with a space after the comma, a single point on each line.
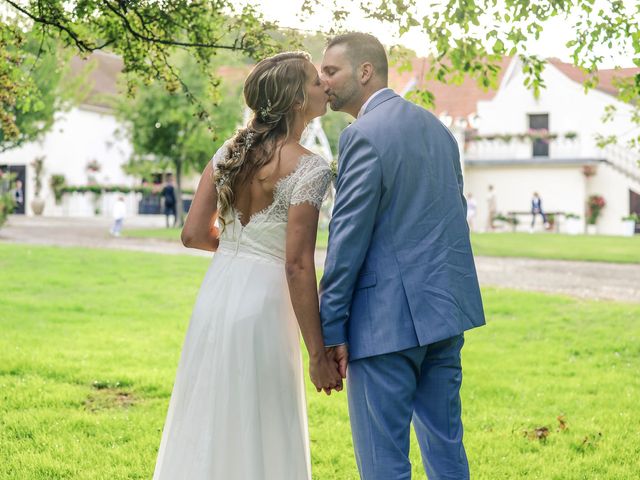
[399, 270]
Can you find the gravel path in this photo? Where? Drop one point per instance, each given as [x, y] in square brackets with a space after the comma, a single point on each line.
[592, 280]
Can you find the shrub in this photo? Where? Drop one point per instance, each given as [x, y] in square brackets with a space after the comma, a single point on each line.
[595, 204]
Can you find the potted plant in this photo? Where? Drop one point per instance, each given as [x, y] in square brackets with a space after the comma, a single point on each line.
[511, 220]
[37, 204]
[629, 223]
[571, 135]
[6, 199]
[57, 184]
[551, 220]
[92, 168]
[572, 225]
[595, 204]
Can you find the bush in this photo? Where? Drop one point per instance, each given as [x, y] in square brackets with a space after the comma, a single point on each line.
[6, 206]
[6, 197]
[595, 204]
[57, 182]
[632, 216]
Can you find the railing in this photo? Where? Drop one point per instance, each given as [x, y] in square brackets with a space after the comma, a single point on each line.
[624, 160]
[517, 149]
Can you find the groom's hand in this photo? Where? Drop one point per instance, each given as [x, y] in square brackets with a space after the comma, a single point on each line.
[340, 355]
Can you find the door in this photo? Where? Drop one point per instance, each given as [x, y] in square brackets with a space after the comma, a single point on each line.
[634, 206]
[19, 173]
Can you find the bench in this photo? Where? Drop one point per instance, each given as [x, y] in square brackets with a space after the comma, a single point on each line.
[552, 219]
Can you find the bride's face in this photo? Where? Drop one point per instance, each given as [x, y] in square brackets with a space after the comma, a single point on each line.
[317, 97]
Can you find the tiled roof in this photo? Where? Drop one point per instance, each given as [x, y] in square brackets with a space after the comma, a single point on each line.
[454, 100]
[606, 77]
[103, 76]
[106, 68]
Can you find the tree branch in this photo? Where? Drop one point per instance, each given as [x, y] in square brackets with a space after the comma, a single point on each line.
[138, 35]
[81, 44]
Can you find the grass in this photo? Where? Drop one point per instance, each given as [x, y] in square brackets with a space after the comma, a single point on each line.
[596, 248]
[91, 339]
[172, 234]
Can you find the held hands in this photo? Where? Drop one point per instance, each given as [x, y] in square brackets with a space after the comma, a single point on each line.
[324, 373]
[328, 370]
[340, 355]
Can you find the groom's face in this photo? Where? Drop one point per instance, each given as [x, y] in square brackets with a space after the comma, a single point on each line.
[340, 77]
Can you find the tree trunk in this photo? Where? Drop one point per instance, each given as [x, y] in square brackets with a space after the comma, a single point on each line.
[179, 208]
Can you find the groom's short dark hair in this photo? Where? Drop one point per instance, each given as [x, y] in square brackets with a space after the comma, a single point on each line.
[361, 48]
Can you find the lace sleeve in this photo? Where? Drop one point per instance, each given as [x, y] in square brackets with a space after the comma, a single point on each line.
[312, 185]
[219, 155]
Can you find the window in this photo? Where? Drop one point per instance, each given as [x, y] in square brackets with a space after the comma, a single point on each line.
[540, 122]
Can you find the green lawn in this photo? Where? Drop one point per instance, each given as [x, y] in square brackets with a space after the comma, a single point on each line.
[91, 339]
[560, 247]
[172, 234]
[552, 246]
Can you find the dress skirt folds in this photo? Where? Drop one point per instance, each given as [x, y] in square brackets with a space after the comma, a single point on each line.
[237, 411]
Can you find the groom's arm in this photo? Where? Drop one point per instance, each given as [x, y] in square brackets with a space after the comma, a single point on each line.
[458, 169]
[358, 191]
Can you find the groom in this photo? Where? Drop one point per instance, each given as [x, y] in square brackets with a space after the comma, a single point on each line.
[399, 285]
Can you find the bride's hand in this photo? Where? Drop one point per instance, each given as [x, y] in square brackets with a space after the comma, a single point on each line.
[324, 374]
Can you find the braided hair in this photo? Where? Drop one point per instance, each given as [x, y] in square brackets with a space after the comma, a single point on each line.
[271, 90]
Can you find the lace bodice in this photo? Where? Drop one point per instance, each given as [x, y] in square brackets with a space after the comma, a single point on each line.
[264, 234]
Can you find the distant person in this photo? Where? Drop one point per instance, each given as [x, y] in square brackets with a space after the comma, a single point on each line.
[119, 214]
[18, 197]
[492, 208]
[472, 210]
[169, 196]
[536, 208]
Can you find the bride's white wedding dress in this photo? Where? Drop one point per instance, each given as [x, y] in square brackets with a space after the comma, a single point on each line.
[237, 410]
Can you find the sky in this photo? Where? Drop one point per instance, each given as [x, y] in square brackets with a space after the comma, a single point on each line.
[551, 43]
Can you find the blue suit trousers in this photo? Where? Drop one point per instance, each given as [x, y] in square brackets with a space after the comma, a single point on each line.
[387, 392]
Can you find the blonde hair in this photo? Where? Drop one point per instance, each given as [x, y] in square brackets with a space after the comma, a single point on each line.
[271, 90]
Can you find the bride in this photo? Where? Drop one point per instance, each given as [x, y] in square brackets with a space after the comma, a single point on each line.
[237, 410]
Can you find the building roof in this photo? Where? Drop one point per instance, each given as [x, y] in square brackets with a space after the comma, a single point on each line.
[105, 68]
[103, 75]
[457, 101]
[606, 77]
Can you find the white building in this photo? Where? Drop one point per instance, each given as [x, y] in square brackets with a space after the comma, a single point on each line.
[87, 133]
[564, 171]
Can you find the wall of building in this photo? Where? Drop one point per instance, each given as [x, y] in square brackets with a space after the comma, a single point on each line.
[569, 109]
[614, 188]
[562, 189]
[77, 137]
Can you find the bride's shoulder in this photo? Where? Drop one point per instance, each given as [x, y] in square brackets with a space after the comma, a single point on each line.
[313, 158]
[301, 158]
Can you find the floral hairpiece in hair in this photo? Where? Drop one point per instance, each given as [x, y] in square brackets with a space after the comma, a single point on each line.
[248, 141]
[222, 180]
[264, 112]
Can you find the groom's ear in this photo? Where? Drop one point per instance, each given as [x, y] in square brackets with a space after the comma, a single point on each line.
[366, 73]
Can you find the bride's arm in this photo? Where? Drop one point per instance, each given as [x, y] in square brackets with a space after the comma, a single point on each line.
[301, 276]
[199, 230]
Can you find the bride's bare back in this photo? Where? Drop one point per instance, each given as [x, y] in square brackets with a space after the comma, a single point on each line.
[257, 193]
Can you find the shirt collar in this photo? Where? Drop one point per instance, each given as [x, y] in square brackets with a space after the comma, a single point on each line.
[366, 104]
